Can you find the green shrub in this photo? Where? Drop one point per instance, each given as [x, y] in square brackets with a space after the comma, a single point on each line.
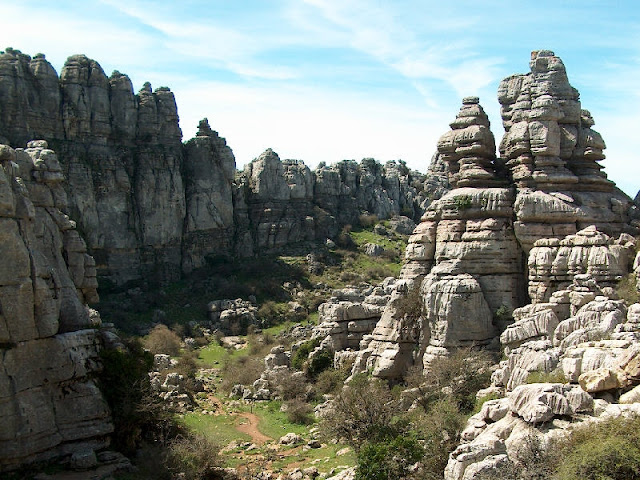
[482, 400]
[319, 362]
[388, 460]
[607, 450]
[302, 353]
[440, 429]
[330, 381]
[137, 412]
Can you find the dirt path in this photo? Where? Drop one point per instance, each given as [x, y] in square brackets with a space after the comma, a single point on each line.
[250, 427]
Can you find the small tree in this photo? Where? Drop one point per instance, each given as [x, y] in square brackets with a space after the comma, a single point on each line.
[363, 411]
[162, 340]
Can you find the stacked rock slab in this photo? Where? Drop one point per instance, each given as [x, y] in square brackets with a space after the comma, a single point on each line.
[463, 256]
[49, 403]
[209, 171]
[152, 208]
[469, 252]
[552, 154]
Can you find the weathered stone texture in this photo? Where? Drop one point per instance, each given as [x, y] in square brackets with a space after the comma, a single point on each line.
[152, 208]
[49, 404]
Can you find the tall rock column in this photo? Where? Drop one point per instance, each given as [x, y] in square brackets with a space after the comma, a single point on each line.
[209, 170]
[49, 403]
[463, 257]
[552, 154]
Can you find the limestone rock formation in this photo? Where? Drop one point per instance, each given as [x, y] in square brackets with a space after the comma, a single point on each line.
[209, 173]
[49, 403]
[545, 194]
[152, 208]
[349, 316]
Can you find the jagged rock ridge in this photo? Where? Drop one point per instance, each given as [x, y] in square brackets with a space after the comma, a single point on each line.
[152, 208]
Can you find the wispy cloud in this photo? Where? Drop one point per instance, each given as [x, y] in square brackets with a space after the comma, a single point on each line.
[326, 80]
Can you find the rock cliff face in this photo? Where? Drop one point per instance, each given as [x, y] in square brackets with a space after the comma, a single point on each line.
[152, 208]
[49, 404]
[469, 253]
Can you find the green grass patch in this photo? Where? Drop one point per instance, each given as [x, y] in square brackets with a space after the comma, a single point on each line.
[213, 354]
[220, 429]
[393, 242]
[273, 422]
[327, 455]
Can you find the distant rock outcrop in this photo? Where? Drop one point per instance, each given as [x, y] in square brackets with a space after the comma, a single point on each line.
[152, 208]
[49, 403]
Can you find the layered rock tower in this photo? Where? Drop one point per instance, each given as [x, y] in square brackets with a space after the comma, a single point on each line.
[469, 254]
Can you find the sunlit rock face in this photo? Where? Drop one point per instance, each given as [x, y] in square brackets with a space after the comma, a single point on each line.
[545, 195]
[152, 208]
[49, 403]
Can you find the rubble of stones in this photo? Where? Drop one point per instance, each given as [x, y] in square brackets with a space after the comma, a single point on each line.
[147, 203]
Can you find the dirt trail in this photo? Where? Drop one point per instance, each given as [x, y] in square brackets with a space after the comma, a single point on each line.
[251, 428]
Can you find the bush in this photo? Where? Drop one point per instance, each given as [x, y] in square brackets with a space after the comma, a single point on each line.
[627, 289]
[363, 411]
[388, 460]
[299, 411]
[605, 450]
[137, 412]
[319, 362]
[556, 376]
[302, 353]
[289, 386]
[196, 457]
[440, 430]
[330, 380]
[532, 462]
[457, 377]
[240, 370]
[272, 313]
[410, 304]
[162, 340]
[367, 220]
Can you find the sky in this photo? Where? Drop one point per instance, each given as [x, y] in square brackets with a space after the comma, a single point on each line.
[327, 80]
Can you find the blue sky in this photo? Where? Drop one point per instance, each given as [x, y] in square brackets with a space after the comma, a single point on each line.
[322, 80]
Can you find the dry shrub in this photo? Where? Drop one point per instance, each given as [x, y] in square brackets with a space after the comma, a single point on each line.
[457, 377]
[367, 220]
[194, 456]
[362, 411]
[330, 381]
[290, 386]
[299, 411]
[162, 340]
[241, 370]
